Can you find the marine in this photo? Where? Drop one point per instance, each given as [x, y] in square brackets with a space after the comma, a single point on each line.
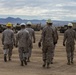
[32, 37]
[48, 41]
[8, 41]
[22, 42]
[69, 42]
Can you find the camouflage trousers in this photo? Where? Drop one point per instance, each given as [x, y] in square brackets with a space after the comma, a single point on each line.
[53, 52]
[23, 53]
[70, 51]
[47, 53]
[7, 49]
[29, 52]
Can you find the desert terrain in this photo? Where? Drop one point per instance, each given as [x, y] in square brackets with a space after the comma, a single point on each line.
[34, 67]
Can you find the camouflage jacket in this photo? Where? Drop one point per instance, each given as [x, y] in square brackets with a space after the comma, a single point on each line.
[8, 37]
[22, 38]
[31, 32]
[69, 36]
[48, 36]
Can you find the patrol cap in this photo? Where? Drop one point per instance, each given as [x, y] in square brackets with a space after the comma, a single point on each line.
[70, 24]
[9, 24]
[49, 21]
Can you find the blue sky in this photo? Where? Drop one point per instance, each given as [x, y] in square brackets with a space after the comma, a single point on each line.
[39, 9]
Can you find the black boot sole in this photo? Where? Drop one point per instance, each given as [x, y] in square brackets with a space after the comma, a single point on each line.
[51, 62]
[43, 65]
[48, 65]
[22, 63]
[5, 59]
[25, 62]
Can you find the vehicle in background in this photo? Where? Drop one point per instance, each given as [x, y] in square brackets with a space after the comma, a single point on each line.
[17, 27]
[36, 27]
[63, 28]
[2, 27]
[74, 25]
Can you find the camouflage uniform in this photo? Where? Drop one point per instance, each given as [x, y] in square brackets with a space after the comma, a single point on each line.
[69, 37]
[22, 39]
[56, 39]
[32, 35]
[8, 41]
[48, 38]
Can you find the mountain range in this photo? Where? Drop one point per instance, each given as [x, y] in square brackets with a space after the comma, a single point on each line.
[42, 22]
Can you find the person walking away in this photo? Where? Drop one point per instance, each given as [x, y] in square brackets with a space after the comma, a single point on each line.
[69, 42]
[48, 41]
[8, 41]
[32, 37]
[56, 38]
[22, 42]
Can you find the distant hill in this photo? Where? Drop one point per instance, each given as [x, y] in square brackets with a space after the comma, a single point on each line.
[19, 20]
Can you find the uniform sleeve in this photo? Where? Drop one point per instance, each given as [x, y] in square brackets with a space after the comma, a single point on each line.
[57, 37]
[13, 38]
[55, 34]
[43, 35]
[29, 41]
[75, 35]
[17, 38]
[2, 37]
[34, 36]
[65, 36]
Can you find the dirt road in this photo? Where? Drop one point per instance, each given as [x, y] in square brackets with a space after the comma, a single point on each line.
[35, 66]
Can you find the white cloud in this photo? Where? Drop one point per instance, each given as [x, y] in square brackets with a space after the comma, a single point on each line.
[24, 11]
[40, 9]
